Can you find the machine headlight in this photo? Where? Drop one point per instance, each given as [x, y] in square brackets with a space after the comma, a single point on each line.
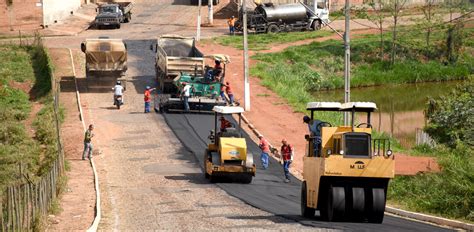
[341, 152]
[389, 153]
[328, 152]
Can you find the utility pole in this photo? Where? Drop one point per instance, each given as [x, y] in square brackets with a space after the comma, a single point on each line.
[246, 59]
[347, 62]
[198, 32]
[210, 12]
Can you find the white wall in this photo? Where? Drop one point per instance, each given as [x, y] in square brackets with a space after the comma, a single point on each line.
[58, 9]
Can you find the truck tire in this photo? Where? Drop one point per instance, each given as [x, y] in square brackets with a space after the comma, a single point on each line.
[215, 2]
[316, 25]
[334, 206]
[118, 26]
[273, 28]
[376, 207]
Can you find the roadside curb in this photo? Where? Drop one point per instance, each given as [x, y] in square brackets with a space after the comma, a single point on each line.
[403, 213]
[95, 223]
[429, 218]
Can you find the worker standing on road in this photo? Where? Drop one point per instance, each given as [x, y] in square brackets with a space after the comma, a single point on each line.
[185, 94]
[228, 91]
[265, 147]
[147, 98]
[314, 127]
[287, 156]
[231, 23]
[88, 143]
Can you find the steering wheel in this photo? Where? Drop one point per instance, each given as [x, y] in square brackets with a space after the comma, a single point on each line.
[321, 124]
[368, 125]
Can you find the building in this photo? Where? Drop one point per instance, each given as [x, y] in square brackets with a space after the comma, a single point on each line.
[27, 15]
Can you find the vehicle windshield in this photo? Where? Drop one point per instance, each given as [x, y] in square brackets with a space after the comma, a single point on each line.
[107, 9]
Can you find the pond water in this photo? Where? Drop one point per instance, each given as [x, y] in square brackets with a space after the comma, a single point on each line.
[400, 107]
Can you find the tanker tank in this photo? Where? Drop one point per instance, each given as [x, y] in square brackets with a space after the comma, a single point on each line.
[287, 13]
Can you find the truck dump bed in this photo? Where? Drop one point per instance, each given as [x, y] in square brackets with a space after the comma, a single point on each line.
[105, 55]
[177, 54]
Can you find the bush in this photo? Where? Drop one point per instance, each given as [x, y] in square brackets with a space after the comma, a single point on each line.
[451, 118]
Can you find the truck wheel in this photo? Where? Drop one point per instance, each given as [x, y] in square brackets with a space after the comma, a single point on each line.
[273, 29]
[335, 205]
[316, 25]
[118, 26]
[358, 203]
[377, 205]
[246, 179]
[215, 2]
[305, 210]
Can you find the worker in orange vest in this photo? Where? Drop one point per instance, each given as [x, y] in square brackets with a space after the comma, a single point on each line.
[231, 23]
[287, 156]
[228, 91]
[265, 147]
[147, 98]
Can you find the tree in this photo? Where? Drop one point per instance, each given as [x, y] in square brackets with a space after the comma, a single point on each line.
[395, 8]
[377, 18]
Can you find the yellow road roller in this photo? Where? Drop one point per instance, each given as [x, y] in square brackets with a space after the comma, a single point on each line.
[346, 171]
[226, 157]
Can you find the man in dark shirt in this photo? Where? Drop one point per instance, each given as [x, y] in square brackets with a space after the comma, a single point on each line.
[88, 143]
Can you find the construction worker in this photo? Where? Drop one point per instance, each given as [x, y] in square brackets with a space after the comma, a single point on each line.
[217, 70]
[228, 91]
[287, 157]
[314, 128]
[231, 23]
[88, 143]
[186, 93]
[265, 147]
[225, 124]
[147, 98]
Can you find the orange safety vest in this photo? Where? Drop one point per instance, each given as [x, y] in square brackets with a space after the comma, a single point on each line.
[147, 96]
[286, 151]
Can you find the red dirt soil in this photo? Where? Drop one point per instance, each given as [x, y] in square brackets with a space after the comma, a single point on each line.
[275, 118]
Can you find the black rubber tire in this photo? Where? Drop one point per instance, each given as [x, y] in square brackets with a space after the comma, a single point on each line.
[215, 2]
[316, 25]
[336, 204]
[306, 211]
[246, 179]
[358, 203]
[273, 29]
[117, 103]
[118, 26]
[377, 205]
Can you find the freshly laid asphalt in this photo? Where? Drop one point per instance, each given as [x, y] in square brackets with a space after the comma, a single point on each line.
[267, 190]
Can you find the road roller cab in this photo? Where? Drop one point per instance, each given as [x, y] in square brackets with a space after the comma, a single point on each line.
[346, 177]
[226, 157]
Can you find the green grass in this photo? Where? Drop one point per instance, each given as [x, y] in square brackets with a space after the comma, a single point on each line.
[34, 154]
[258, 42]
[448, 194]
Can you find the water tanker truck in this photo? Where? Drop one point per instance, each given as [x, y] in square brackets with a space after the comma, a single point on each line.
[270, 18]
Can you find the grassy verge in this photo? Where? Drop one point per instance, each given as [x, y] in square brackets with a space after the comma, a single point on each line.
[258, 42]
[23, 154]
[448, 194]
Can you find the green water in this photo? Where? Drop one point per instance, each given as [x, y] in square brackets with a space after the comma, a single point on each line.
[400, 106]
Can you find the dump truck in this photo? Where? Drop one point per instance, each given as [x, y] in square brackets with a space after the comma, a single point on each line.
[345, 170]
[106, 60]
[205, 88]
[113, 14]
[270, 18]
[175, 55]
[226, 157]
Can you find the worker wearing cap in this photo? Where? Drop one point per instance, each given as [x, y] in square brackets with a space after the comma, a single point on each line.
[314, 131]
[265, 147]
[287, 157]
[186, 93]
[147, 98]
[231, 23]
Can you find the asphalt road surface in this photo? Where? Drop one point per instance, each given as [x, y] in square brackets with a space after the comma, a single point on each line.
[267, 190]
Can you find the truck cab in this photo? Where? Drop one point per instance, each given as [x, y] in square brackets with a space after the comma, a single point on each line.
[320, 8]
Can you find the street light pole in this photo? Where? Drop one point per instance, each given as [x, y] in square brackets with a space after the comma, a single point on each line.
[347, 62]
[198, 32]
[246, 59]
